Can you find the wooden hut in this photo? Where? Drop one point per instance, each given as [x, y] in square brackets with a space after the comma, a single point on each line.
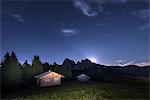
[83, 77]
[48, 79]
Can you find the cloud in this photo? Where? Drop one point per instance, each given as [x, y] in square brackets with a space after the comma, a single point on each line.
[145, 27]
[18, 17]
[143, 14]
[85, 8]
[121, 62]
[14, 16]
[143, 64]
[92, 8]
[70, 32]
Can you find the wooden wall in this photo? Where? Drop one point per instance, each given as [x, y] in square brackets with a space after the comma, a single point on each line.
[48, 81]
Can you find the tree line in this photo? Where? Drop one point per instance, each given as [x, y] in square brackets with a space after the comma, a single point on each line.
[15, 75]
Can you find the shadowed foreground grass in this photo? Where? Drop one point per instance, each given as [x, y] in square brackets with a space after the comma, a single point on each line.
[84, 91]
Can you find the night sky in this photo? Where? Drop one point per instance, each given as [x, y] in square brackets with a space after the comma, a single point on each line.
[109, 31]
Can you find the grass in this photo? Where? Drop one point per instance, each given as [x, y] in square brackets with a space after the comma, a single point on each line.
[84, 91]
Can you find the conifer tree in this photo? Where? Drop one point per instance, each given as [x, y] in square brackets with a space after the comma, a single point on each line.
[37, 66]
[12, 74]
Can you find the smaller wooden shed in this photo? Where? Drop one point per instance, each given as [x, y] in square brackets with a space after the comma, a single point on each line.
[49, 78]
[83, 77]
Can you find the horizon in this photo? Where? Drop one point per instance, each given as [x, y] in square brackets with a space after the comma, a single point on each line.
[142, 64]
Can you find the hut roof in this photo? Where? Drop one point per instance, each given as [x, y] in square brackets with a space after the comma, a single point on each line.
[49, 74]
[82, 75]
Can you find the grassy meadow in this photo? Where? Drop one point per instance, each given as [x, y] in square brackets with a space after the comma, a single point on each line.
[84, 91]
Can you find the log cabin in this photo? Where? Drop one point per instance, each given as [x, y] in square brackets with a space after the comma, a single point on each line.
[83, 77]
[49, 78]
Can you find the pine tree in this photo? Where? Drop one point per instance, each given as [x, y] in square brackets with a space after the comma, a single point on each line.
[37, 66]
[4, 63]
[12, 73]
[28, 74]
[27, 71]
